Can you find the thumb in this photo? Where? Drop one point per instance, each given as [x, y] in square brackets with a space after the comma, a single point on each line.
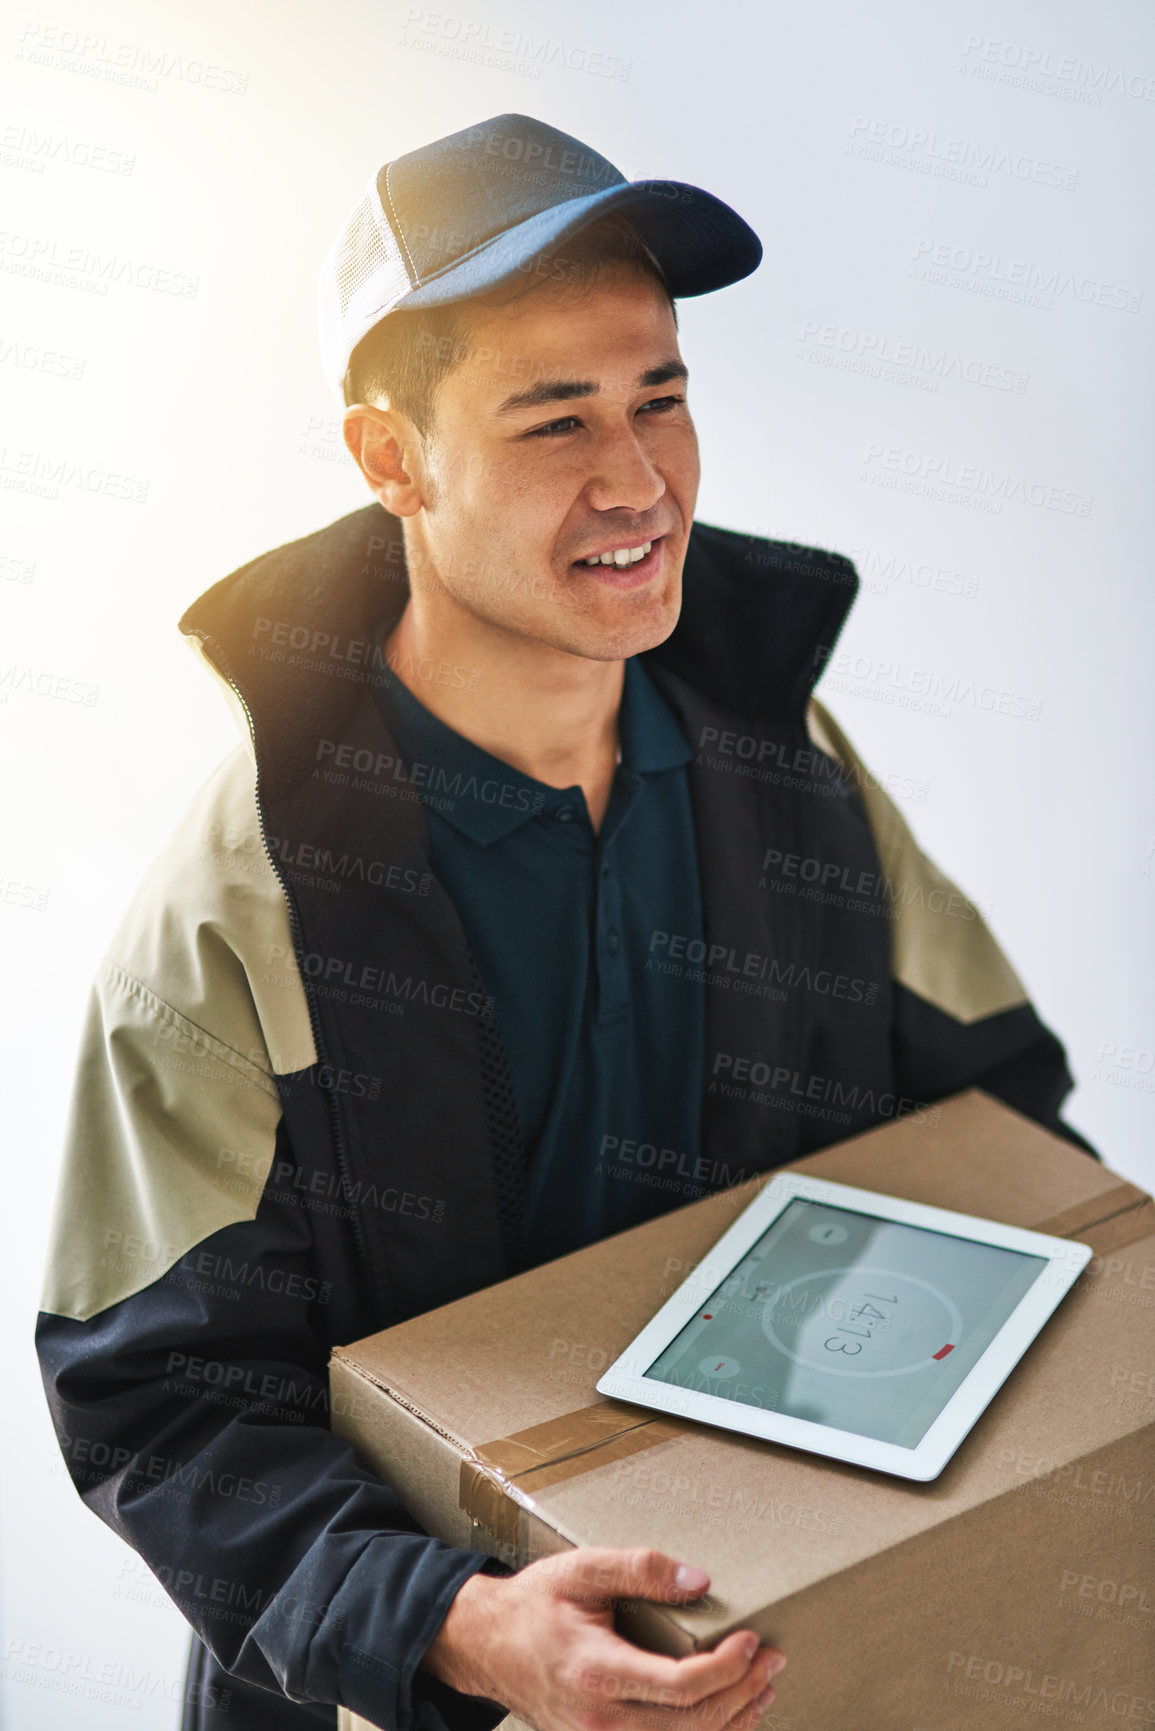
[596, 1572]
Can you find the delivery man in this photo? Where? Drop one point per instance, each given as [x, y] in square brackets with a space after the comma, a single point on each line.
[539, 897]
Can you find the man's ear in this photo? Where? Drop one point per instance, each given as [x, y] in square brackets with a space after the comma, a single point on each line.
[385, 447]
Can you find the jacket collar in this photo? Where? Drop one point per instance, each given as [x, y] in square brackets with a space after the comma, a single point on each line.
[297, 631]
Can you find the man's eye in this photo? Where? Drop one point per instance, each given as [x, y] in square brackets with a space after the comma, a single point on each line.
[663, 403]
[564, 425]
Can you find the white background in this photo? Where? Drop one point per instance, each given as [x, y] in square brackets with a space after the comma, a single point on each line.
[215, 404]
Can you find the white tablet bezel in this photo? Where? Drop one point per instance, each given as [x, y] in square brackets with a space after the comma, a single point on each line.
[624, 1380]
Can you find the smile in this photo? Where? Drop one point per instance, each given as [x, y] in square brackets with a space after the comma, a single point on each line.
[619, 556]
[625, 567]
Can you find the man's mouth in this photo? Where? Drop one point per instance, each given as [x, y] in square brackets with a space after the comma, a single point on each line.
[619, 556]
[632, 562]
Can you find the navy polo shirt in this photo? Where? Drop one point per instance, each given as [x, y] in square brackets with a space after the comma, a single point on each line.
[603, 1039]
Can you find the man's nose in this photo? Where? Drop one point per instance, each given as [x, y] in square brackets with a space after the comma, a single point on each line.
[623, 477]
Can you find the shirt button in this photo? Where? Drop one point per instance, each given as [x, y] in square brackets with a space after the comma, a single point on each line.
[564, 814]
[605, 868]
[612, 940]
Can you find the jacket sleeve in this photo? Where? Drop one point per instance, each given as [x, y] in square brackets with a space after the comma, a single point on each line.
[185, 1330]
[962, 1017]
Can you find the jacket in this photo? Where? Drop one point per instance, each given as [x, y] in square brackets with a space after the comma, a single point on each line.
[293, 1123]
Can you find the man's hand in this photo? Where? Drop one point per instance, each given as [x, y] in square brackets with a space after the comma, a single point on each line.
[542, 1643]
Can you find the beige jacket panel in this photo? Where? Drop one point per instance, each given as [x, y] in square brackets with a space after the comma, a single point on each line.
[941, 947]
[174, 1110]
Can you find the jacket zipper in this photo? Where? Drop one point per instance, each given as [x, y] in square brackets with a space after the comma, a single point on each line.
[335, 1121]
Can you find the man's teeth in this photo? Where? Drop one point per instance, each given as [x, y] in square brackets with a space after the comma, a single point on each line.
[621, 556]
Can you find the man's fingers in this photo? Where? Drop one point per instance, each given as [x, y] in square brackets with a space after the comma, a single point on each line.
[737, 1708]
[593, 1572]
[613, 1669]
[609, 1683]
[734, 1706]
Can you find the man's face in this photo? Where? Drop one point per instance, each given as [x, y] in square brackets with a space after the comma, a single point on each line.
[563, 435]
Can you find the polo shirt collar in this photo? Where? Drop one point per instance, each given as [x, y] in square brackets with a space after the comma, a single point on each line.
[486, 798]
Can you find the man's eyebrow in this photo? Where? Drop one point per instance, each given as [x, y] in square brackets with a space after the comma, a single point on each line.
[567, 390]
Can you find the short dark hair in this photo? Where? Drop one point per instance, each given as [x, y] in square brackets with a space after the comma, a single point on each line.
[405, 357]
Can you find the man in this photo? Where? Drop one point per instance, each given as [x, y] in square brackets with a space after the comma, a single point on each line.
[536, 847]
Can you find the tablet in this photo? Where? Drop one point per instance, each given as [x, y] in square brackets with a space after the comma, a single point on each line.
[850, 1324]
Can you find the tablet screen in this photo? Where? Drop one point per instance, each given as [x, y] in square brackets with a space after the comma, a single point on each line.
[847, 1320]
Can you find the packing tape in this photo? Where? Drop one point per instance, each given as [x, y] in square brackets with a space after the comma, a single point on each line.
[494, 1473]
[1081, 1220]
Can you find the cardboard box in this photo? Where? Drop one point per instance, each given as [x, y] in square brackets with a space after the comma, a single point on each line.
[1018, 1585]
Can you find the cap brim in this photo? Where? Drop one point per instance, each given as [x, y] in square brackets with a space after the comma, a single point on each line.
[699, 242]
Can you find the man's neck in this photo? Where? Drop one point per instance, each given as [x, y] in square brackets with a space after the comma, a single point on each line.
[551, 715]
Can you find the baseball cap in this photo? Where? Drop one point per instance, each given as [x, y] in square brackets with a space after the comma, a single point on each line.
[471, 211]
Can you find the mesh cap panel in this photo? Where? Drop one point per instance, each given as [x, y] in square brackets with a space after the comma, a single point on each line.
[365, 258]
[363, 278]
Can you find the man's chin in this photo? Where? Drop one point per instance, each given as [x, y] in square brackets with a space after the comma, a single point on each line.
[616, 639]
[628, 619]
